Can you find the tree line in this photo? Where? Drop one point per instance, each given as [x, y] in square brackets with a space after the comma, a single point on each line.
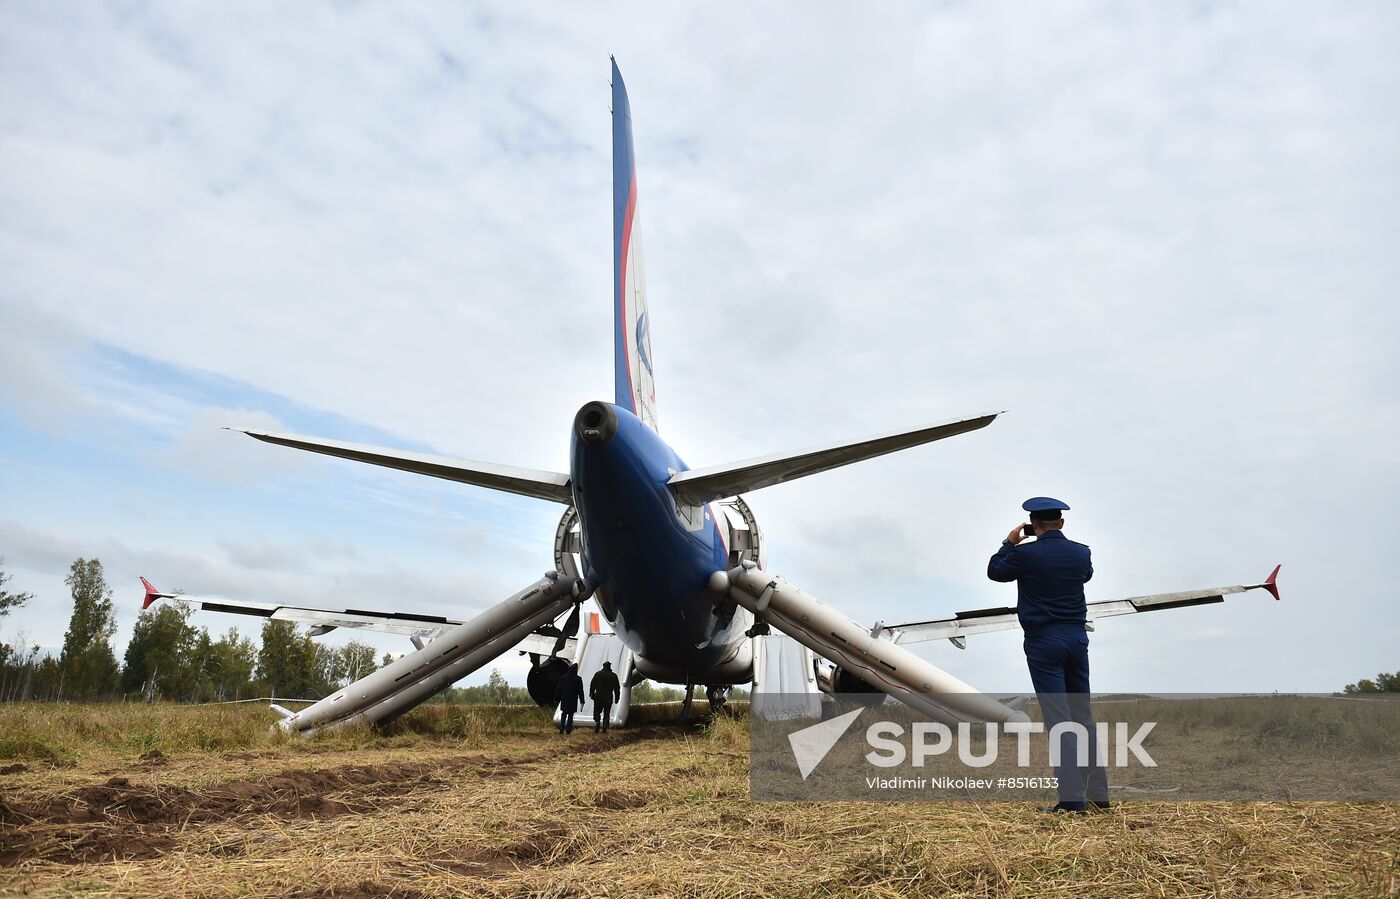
[167, 657]
[1383, 683]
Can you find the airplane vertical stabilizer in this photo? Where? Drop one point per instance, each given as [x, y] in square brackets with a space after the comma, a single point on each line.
[632, 360]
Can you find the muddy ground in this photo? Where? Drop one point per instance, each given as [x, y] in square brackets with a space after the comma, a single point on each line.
[652, 811]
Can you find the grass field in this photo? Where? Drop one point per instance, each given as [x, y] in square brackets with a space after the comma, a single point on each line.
[201, 801]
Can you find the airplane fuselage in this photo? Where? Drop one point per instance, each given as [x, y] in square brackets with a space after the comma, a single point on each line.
[648, 556]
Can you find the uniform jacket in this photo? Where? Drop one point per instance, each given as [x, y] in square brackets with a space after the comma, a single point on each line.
[569, 693]
[1050, 574]
[604, 688]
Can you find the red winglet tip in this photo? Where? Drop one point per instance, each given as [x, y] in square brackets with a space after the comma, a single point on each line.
[1271, 582]
[152, 594]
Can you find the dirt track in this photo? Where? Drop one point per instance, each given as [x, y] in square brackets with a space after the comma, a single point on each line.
[53, 834]
[646, 812]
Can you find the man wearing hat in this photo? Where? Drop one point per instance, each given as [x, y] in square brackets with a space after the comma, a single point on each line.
[568, 695]
[604, 690]
[1050, 573]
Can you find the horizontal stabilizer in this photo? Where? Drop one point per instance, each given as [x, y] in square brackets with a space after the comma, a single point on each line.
[700, 485]
[982, 621]
[523, 481]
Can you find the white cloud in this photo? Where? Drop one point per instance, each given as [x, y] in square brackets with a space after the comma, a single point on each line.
[1160, 236]
[208, 448]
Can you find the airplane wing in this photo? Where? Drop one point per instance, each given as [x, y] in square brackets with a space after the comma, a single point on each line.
[323, 621]
[981, 621]
[700, 485]
[875, 658]
[523, 481]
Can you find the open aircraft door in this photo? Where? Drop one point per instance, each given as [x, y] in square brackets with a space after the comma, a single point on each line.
[593, 651]
[784, 679]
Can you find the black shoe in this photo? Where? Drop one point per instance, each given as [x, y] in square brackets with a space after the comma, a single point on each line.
[1061, 808]
[1102, 805]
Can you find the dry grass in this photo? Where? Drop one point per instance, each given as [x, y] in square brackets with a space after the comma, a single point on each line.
[492, 802]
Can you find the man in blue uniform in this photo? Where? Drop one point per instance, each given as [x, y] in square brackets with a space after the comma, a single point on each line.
[1050, 574]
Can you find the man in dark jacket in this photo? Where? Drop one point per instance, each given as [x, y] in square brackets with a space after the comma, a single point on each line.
[604, 690]
[1050, 574]
[569, 696]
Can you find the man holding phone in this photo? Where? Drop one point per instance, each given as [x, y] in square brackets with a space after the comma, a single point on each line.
[1050, 574]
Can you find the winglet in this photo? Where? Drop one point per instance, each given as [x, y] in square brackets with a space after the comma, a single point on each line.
[152, 594]
[1271, 582]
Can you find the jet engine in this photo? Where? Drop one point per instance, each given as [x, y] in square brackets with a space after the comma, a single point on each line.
[544, 678]
[834, 679]
[846, 682]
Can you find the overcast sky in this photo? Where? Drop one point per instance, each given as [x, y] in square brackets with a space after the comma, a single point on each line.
[1162, 236]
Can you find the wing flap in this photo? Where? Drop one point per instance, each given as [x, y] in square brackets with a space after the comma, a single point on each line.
[701, 485]
[548, 485]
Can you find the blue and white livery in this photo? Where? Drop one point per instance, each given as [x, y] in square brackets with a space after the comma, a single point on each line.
[632, 366]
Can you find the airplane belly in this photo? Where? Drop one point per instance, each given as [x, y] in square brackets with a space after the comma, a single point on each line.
[670, 623]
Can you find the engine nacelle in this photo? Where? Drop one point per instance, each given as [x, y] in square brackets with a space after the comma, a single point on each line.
[832, 679]
[846, 682]
[543, 680]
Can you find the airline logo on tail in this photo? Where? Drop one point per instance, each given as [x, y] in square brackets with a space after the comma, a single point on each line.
[638, 336]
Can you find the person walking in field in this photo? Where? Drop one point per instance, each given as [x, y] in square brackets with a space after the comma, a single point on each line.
[569, 696]
[604, 690]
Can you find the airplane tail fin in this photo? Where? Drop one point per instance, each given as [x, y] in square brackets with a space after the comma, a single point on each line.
[632, 361]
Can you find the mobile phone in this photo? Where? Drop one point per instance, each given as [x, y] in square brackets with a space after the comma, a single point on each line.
[1028, 530]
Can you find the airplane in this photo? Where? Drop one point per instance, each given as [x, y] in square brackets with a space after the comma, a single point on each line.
[673, 557]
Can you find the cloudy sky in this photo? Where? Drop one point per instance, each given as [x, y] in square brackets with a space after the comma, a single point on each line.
[1162, 236]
